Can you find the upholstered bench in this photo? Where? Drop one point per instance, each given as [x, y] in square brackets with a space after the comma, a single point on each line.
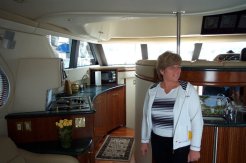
[10, 153]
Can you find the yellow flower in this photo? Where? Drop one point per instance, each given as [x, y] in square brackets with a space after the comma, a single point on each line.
[70, 122]
[64, 123]
[60, 126]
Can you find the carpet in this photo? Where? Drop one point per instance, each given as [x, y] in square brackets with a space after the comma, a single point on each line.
[116, 148]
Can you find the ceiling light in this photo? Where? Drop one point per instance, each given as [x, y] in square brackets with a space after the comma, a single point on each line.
[19, 1]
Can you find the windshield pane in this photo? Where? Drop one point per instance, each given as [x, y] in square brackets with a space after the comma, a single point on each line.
[156, 49]
[208, 51]
[118, 54]
[85, 56]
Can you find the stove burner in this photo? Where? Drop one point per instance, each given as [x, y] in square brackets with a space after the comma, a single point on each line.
[72, 103]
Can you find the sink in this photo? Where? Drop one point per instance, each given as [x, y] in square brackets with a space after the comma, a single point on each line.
[214, 119]
[91, 89]
[242, 109]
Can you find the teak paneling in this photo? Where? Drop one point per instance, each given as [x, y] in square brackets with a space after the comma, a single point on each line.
[231, 145]
[100, 128]
[44, 128]
[207, 145]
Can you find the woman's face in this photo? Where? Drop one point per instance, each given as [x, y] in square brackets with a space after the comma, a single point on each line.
[171, 73]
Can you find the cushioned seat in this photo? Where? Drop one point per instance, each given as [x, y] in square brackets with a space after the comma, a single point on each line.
[10, 153]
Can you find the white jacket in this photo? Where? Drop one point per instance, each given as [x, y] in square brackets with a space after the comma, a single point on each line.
[188, 121]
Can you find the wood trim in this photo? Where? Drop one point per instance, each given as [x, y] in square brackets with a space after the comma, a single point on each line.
[218, 78]
[146, 78]
[126, 69]
[209, 77]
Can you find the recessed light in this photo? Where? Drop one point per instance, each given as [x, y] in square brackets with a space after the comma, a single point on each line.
[19, 1]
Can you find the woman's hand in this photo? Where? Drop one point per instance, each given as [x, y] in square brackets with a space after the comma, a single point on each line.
[144, 148]
[193, 156]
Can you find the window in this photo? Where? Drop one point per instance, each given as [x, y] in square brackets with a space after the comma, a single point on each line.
[4, 88]
[63, 48]
[85, 57]
[156, 49]
[208, 52]
[118, 54]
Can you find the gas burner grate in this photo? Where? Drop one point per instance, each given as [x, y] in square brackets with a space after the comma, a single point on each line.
[72, 103]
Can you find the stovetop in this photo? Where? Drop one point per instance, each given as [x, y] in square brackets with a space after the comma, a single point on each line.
[72, 103]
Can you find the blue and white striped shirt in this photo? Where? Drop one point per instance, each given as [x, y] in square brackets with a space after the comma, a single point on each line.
[162, 112]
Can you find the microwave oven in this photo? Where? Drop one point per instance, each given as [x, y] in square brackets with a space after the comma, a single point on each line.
[107, 76]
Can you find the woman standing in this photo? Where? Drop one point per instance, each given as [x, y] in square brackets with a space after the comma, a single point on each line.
[172, 118]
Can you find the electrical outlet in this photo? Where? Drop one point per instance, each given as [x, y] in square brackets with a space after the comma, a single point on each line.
[19, 126]
[80, 122]
[28, 126]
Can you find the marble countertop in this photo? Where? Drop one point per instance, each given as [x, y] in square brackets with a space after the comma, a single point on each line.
[91, 91]
[238, 121]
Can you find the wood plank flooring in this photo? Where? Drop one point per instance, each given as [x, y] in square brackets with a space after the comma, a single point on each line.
[119, 132]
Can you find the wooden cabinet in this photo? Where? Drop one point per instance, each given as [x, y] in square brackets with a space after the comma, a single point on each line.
[220, 144]
[116, 108]
[101, 123]
[110, 112]
[43, 128]
[231, 145]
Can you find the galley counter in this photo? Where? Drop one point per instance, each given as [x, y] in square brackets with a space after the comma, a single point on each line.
[37, 131]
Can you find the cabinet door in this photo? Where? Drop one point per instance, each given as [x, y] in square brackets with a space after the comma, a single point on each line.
[231, 145]
[116, 108]
[113, 116]
[101, 120]
[122, 106]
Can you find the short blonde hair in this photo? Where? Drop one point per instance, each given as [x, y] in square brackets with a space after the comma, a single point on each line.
[165, 60]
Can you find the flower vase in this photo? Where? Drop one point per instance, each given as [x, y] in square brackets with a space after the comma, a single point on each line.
[65, 136]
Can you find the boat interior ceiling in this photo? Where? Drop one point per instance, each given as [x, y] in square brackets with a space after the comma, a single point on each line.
[102, 21]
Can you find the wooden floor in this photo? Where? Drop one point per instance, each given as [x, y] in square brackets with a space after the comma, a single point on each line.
[120, 132]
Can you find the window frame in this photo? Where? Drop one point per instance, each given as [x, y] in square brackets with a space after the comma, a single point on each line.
[5, 86]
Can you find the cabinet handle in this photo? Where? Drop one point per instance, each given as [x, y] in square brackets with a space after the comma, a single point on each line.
[115, 94]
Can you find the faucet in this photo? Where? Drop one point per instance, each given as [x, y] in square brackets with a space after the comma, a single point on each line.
[84, 80]
[85, 77]
[229, 111]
